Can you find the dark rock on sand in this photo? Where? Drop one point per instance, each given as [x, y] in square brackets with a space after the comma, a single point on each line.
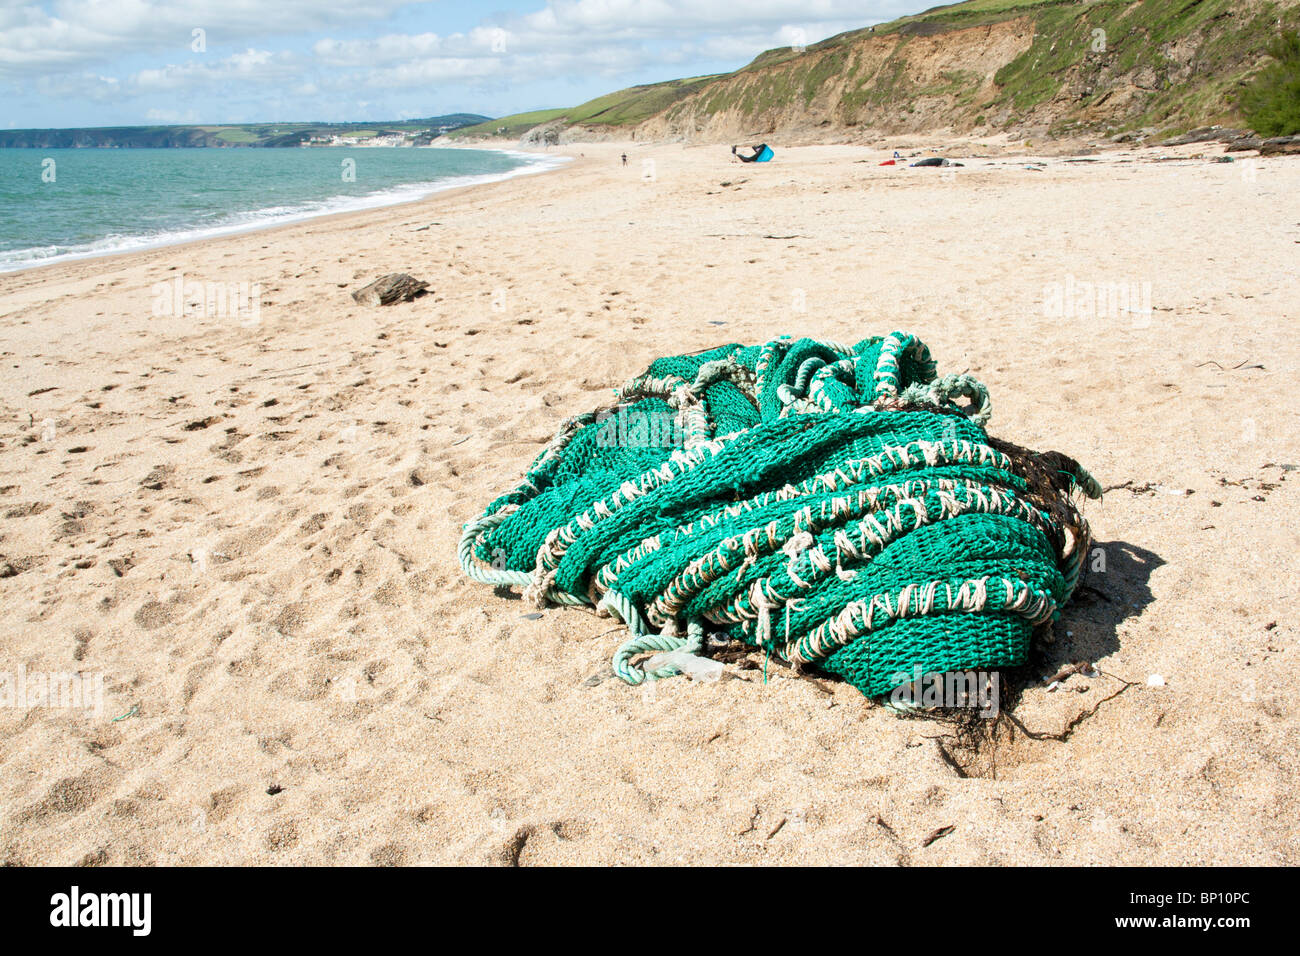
[1206, 134]
[394, 287]
[1144, 133]
[1280, 146]
[1243, 143]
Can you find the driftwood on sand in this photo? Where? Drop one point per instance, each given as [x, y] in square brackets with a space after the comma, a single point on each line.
[394, 287]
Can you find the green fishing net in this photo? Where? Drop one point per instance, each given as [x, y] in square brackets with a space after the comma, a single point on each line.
[837, 506]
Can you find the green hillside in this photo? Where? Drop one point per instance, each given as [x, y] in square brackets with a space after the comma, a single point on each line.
[1067, 66]
[623, 108]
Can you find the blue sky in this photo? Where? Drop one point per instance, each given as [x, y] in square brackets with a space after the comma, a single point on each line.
[130, 62]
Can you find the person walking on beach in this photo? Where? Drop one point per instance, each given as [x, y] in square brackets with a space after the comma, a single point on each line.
[625, 159]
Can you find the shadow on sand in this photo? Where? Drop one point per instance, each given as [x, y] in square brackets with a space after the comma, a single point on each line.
[1115, 587]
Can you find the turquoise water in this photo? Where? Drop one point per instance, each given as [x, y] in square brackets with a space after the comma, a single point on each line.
[66, 203]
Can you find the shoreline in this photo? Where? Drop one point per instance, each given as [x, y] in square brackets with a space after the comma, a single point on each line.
[569, 155]
[533, 168]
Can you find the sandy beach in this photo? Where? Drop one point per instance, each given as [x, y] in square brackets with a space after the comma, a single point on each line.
[246, 525]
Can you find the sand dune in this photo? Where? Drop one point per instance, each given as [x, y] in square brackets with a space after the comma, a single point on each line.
[249, 528]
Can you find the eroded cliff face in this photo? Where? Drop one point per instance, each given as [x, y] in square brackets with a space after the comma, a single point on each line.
[890, 84]
[1059, 67]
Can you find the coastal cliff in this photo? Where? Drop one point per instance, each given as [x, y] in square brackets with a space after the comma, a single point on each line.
[1037, 67]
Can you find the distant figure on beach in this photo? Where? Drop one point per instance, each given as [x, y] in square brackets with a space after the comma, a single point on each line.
[625, 159]
[759, 154]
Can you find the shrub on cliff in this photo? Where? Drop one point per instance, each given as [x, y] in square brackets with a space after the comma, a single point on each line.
[1271, 103]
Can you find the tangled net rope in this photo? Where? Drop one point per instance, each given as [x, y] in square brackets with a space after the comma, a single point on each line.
[833, 505]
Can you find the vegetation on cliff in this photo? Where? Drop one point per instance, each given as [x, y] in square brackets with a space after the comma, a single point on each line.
[1272, 101]
[1064, 66]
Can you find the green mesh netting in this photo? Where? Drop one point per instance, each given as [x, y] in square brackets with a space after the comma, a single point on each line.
[833, 505]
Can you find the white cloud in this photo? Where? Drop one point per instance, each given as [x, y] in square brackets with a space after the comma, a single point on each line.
[35, 37]
[84, 85]
[314, 57]
[418, 73]
[172, 116]
[398, 46]
[595, 37]
[678, 16]
[251, 65]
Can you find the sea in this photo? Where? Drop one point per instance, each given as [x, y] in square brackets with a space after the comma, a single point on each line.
[58, 204]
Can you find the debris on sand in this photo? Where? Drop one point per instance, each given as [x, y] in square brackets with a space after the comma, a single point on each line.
[394, 287]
